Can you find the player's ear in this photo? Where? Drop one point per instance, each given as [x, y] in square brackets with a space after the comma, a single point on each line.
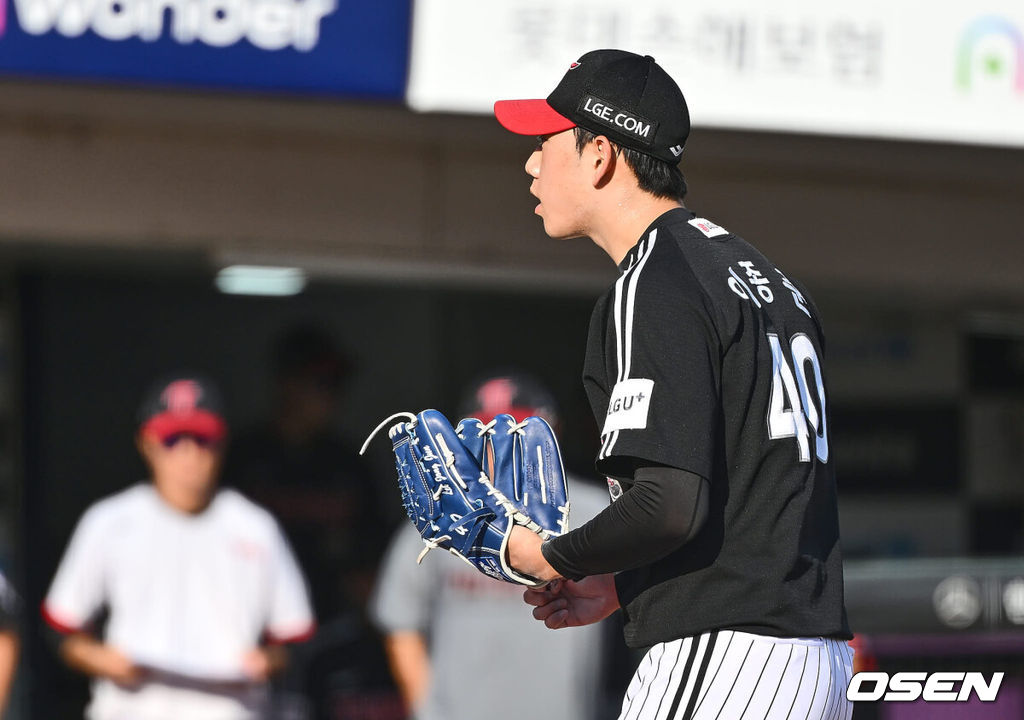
[601, 156]
[144, 444]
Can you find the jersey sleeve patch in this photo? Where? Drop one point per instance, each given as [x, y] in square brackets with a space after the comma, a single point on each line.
[709, 228]
[629, 405]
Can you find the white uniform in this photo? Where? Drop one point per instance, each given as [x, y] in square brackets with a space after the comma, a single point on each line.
[188, 596]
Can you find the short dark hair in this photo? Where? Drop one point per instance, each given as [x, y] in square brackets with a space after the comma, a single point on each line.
[653, 175]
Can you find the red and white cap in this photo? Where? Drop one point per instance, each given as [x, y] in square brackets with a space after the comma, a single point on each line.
[183, 405]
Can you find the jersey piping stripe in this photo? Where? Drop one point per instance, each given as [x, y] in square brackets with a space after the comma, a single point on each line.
[689, 648]
[689, 683]
[631, 302]
[620, 307]
[691, 705]
[641, 674]
[617, 312]
[619, 297]
[707, 688]
[620, 339]
[648, 681]
[677, 646]
[624, 321]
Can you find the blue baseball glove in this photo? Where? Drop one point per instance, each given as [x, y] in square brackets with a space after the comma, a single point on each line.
[465, 488]
[524, 466]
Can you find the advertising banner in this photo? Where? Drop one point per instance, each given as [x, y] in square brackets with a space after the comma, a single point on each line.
[340, 47]
[918, 69]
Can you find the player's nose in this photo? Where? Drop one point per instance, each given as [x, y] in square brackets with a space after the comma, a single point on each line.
[532, 166]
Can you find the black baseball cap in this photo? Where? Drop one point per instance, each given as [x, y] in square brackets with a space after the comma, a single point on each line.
[183, 404]
[517, 393]
[627, 97]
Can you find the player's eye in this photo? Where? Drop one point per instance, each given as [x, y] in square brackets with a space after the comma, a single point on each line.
[200, 440]
[540, 142]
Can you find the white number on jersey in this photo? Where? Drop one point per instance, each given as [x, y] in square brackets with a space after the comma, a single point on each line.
[793, 391]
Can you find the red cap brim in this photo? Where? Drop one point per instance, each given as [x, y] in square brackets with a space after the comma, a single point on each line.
[530, 117]
[196, 422]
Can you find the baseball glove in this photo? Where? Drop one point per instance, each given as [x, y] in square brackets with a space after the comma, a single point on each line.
[465, 488]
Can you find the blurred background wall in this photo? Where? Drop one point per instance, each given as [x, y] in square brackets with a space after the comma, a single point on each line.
[125, 189]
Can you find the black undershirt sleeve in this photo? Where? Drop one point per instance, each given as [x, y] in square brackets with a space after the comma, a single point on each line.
[664, 508]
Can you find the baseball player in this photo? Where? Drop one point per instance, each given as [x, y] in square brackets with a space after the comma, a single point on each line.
[704, 370]
[445, 616]
[194, 579]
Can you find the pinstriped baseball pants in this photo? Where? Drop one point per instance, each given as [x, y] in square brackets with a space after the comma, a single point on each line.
[731, 675]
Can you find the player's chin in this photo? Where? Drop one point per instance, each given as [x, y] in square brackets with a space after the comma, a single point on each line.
[560, 231]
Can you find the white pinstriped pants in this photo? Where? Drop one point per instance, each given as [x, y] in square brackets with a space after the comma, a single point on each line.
[731, 675]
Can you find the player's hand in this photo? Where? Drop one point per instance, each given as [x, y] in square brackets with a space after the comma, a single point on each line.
[84, 652]
[565, 603]
[113, 665]
[525, 556]
[260, 663]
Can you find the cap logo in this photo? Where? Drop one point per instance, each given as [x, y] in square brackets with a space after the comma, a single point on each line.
[574, 65]
[623, 121]
[181, 396]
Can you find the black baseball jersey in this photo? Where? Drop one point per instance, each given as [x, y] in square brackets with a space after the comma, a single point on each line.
[704, 356]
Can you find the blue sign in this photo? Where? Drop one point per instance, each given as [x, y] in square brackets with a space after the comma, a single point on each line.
[354, 48]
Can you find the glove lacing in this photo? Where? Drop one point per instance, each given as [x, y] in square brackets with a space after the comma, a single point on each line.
[486, 428]
[563, 522]
[431, 544]
[449, 461]
[518, 428]
[392, 431]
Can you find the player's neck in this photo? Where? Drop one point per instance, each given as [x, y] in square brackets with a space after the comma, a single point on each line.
[187, 502]
[618, 225]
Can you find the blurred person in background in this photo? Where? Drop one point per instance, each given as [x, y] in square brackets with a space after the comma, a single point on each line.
[297, 464]
[10, 640]
[444, 618]
[201, 590]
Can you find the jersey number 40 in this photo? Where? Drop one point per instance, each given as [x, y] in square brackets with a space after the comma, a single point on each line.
[802, 418]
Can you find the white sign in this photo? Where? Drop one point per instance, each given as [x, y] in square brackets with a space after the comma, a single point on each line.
[938, 70]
